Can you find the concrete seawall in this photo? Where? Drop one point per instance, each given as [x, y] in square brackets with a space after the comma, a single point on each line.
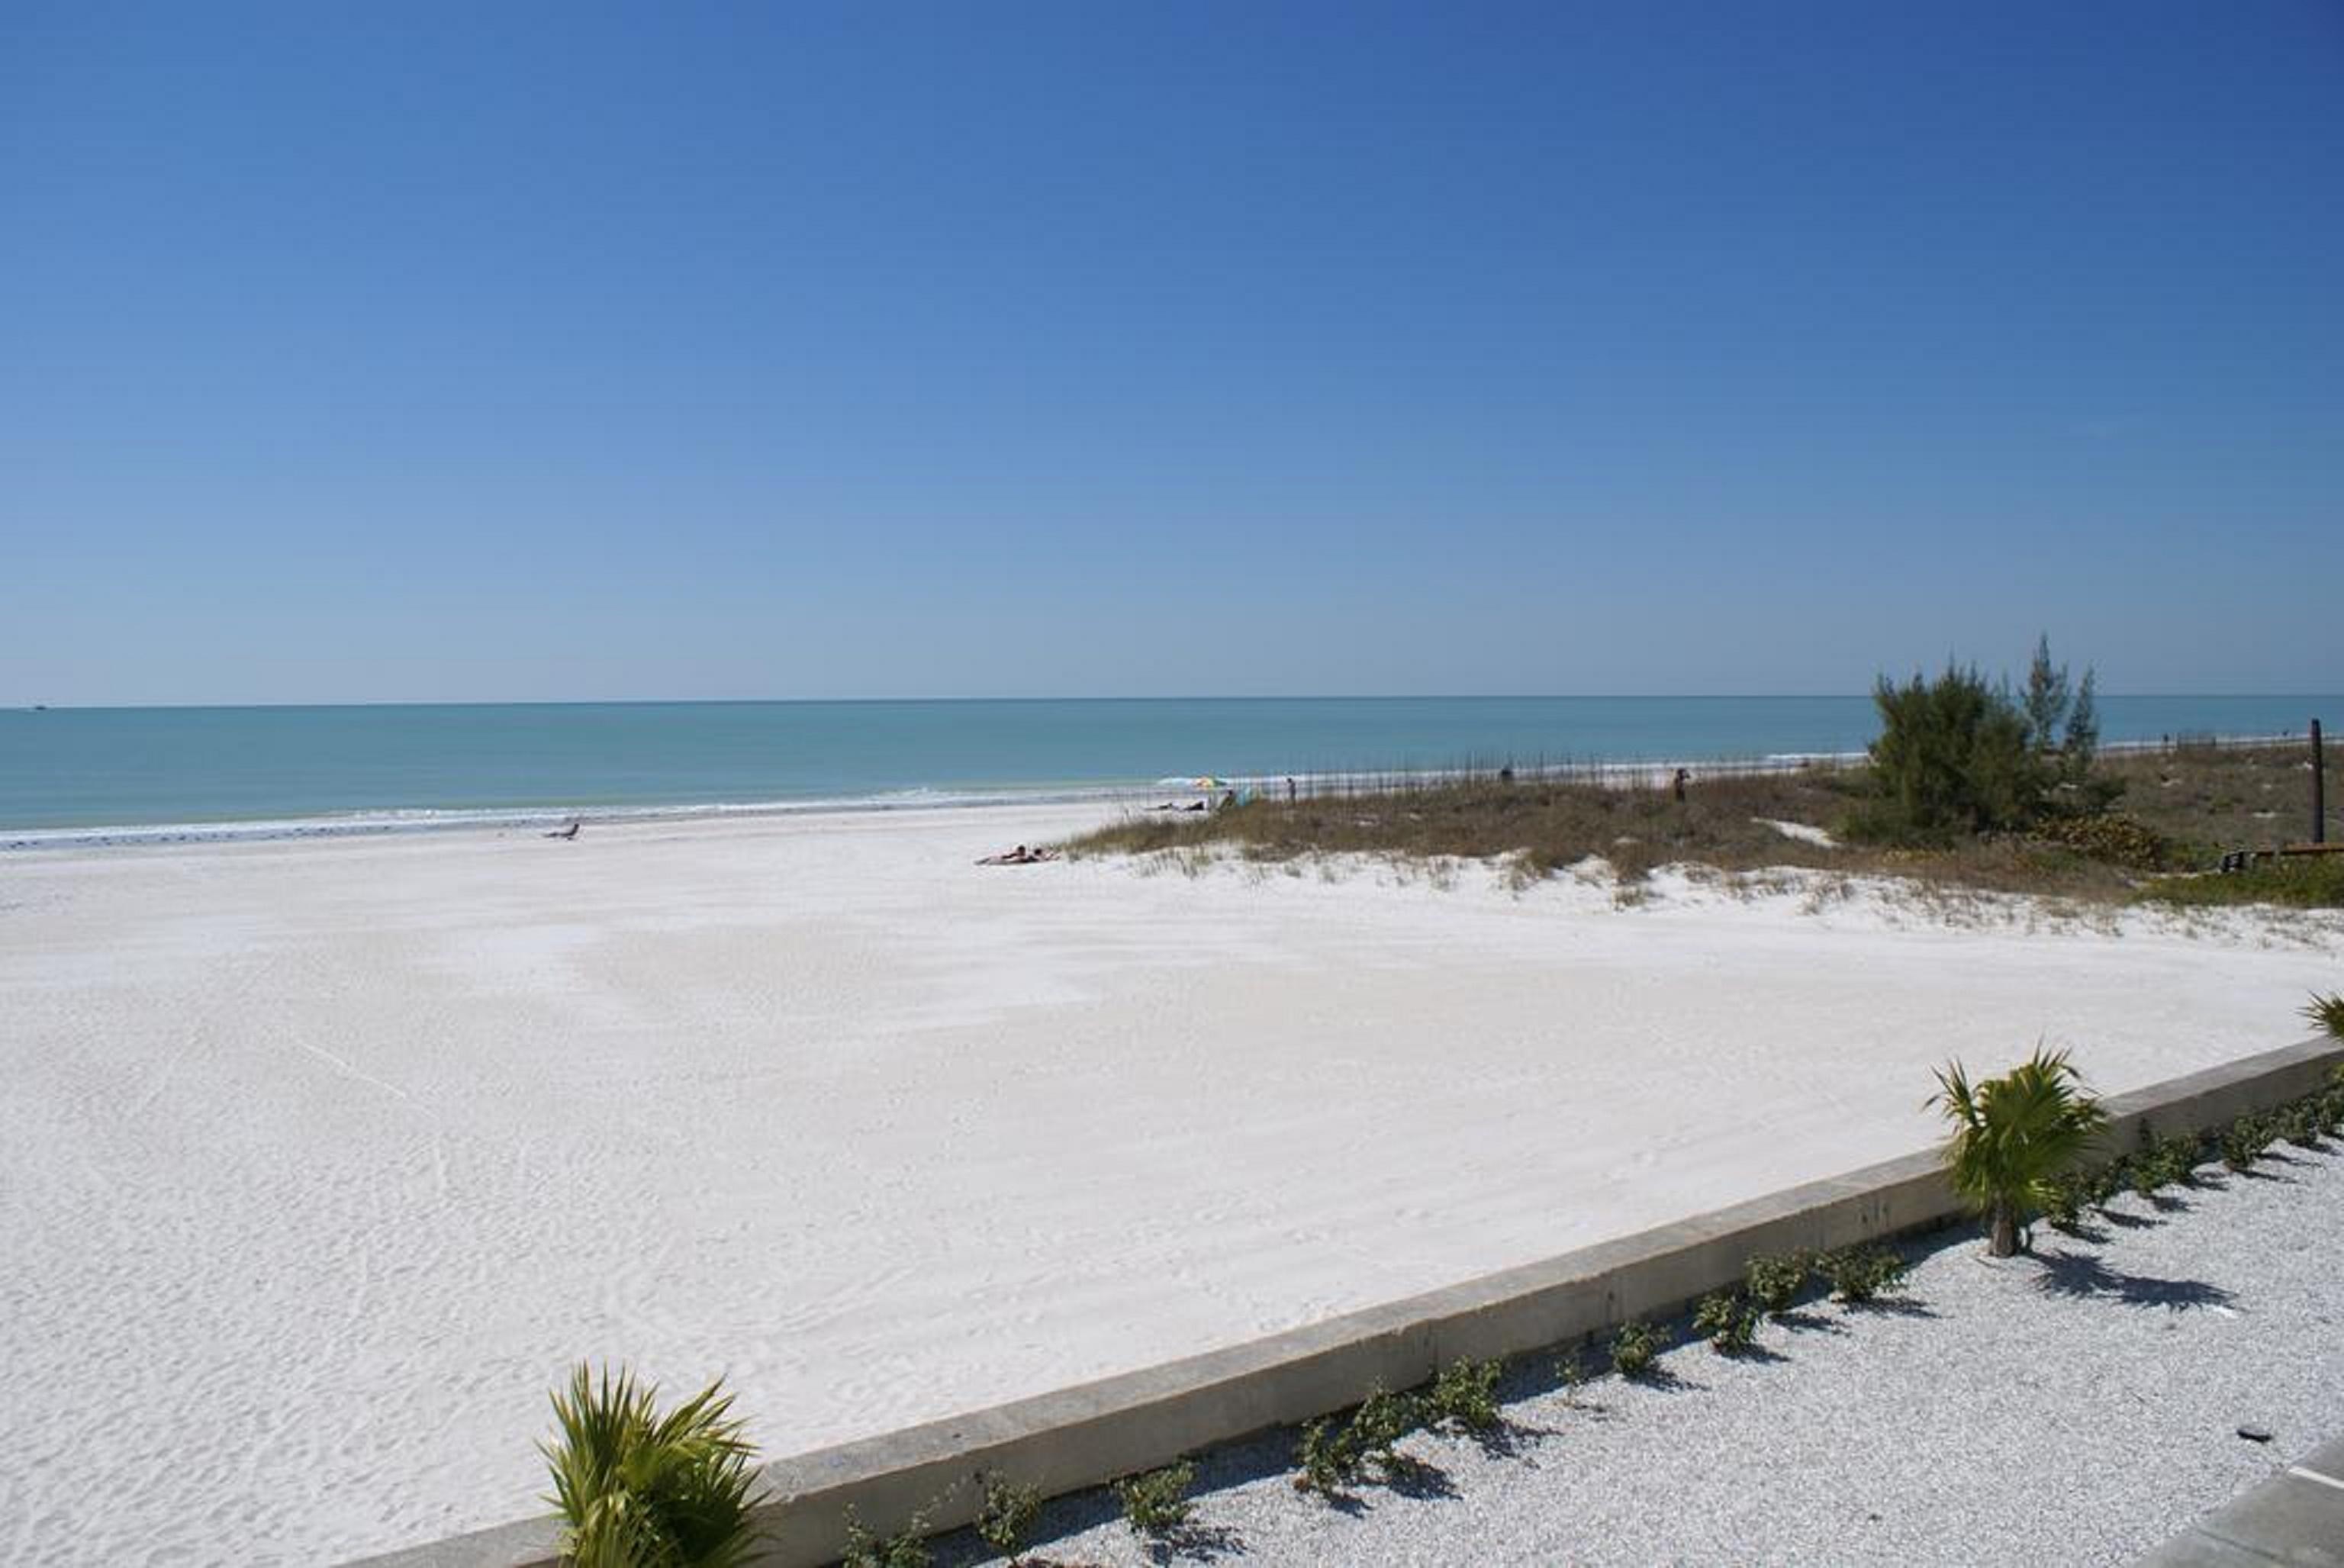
[1077, 1437]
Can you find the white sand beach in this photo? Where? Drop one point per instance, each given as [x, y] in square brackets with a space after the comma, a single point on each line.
[319, 1162]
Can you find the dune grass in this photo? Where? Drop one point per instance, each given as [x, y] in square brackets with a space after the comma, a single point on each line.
[2178, 810]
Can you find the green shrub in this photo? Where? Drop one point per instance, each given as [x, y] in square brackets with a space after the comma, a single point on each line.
[2243, 1141]
[2305, 883]
[2103, 1182]
[1775, 1282]
[637, 1489]
[1727, 1320]
[1952, 760]
[1006, 1517]
[1382, 1421]
[1633, 1348]
[907, 1550]
[2175, 1157]
[1570, 1372]
[1860, 1273]
[2299, 1124]
[1328, 1457]
[1465, 1394]
[1157, 1503]
[2107, 838]
[2065, 1199]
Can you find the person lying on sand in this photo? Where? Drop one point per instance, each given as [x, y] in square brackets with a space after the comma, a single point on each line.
[570, 832]
[1020, 855]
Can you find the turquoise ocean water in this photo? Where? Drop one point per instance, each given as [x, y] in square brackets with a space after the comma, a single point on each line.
[68, 774]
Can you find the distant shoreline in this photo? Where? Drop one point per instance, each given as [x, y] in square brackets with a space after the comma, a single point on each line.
[1119, 793]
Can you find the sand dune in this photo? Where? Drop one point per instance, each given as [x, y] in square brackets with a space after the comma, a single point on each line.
[319, 1161]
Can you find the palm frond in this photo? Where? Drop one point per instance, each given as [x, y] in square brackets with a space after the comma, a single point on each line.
[2014, 1135]
[637, 1489]
[2327, 1012]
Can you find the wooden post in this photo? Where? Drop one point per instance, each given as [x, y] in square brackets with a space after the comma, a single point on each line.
[2319, 790]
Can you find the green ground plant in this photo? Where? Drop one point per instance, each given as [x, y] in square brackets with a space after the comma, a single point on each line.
[1728, 1321]
[1861, 1274]
[1633, 1348]
[1775, 1282]
[1382, 1421]
[639, 1489]
[2245, 1141]
[1157, 1503]
[2013, 1136]
[2065, 1199]
[2312, 882]
[1465, 1395]
[1570, 1375]
[1326, 1457]
[908, 1549]
[2170, 1161]
[1007, 1516]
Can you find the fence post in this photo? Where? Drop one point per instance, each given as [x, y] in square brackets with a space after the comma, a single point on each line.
[2319, 790]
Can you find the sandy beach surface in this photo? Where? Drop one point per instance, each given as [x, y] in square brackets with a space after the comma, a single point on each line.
[320, 1162]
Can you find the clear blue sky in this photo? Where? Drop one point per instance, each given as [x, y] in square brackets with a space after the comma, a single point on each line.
[494, 351]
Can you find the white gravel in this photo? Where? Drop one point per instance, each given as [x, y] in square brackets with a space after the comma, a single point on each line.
[2078, 1407]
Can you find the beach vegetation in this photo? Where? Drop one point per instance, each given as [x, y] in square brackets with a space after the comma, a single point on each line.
[1465, 1395]
[1633, 1348]
[1775, 1282]
[1326, 1457]
[1005, 1516]
[906, 1549]
[2245, 1141]
[1157, 1501]
[2177, 1157]
[1954, 759]
[1728, 1321]
[2012, 1137]
[1862, 1273]
[1570, 1375]
[2328, 1013]
[640, 1487]
[1383, 1419]
[2185, 806]
[2302, 1124]
[2298, 882]
[1334, 1452]
[2065, 1199]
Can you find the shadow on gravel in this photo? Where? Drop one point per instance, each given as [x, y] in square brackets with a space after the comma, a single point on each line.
[2119, 1219]
[1660, 1378]
[1409, 1476]
[1893, 1307]
[1198, 1542]
[1801, 1321]
[1503, 1441]
[2083, 1278]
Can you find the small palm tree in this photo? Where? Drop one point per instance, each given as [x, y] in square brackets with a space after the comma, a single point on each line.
[2013, 1136]
[2328, 1012]
[641, 1490]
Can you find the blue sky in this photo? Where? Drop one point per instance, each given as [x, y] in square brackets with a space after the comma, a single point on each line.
[448, 352]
